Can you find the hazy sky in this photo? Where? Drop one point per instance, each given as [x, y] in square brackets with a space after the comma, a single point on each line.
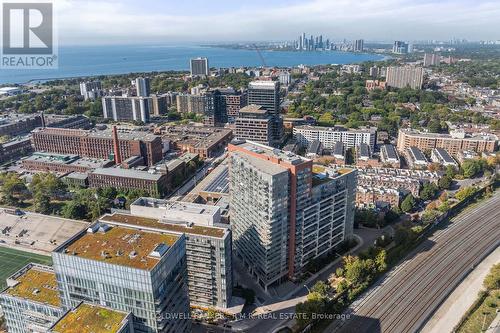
[135, 21]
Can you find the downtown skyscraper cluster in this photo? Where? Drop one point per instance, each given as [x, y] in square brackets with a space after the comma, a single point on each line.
[312, 43]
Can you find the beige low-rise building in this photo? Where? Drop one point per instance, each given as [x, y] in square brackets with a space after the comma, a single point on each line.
[453, 143]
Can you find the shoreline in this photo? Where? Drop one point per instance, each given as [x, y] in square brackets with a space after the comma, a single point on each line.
[142, 60]
[269, 49]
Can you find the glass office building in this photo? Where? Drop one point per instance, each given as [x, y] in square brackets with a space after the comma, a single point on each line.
[129, 270]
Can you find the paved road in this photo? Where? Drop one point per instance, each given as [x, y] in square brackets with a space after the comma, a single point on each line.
[405, 298]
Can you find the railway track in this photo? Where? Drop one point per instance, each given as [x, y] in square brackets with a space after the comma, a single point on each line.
[408, 295]
[407, 322]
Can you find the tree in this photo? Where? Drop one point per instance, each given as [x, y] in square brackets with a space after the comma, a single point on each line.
[392, 215]
[433, 167]
[408, 204]
[211, 314]
[94, 108]
[353, 270]
[434, 126]
[429, 216]
[358, 271]
[451, 171]
[326, 119]
[381, 261]
[109, 193]
[429, 191]
[308, 308]
[444, 207]
[41, 203]
[74, 210]
[46, 183]
[321, 288]
[367, 217]
[445, 182]
[471, 168]
[173, 116]
[403, 235]
[465, 193]
[12, 187]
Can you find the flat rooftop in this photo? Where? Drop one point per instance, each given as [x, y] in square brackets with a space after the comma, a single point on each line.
[263, 165]
[107, 133]
[138, 221]
[7, 119]
[35, 283]
[474, 136]
[88, 318]
[179, 206]
[269, 152]
[252, 108]
[196, 136]
[15, 141]
[371, 130]
[322, 174]
[263, 84]
[77, 175]
[90, 163]
[128, 173]
[122, 246]
[36, 231]
[320, 179]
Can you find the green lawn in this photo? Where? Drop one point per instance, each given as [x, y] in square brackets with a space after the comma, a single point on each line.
[482, 313]
[12, 260]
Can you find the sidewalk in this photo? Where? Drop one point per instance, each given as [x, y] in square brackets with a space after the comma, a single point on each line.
[461, 299]
[495, 325]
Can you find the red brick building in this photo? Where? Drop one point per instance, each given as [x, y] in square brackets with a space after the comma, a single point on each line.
[98, 144]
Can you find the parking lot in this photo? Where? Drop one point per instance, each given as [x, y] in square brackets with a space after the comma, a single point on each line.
[34, 231]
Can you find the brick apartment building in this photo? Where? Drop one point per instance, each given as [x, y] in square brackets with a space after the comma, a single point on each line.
[156, 184]
[63, 163]
[98, 144]
[18, 124]
[15, 149]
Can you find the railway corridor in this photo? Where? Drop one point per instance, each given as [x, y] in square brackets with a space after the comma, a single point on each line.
[408, 295]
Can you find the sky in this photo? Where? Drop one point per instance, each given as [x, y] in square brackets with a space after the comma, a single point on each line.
[128, 21]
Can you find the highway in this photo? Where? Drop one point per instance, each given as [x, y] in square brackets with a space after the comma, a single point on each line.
[404, 299]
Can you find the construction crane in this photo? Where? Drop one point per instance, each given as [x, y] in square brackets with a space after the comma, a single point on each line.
[260, 55]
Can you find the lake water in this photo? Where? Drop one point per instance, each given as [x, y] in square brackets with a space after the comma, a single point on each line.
[96, 60]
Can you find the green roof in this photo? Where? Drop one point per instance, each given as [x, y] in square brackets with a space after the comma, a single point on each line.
[88, 318]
